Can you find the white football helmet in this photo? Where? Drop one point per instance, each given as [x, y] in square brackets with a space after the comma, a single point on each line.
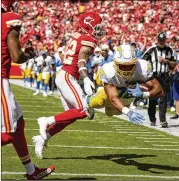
[125, 61]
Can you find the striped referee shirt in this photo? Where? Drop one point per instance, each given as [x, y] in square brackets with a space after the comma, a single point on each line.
[153, 55]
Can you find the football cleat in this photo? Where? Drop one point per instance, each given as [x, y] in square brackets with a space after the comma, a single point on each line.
[90, 113]
[43, 124]
[172, 109]
[40, 173]
[45, 94]
[50, 93]
[39, 144]
[36, 93]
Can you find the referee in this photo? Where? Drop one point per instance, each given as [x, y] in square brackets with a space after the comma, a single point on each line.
[161, 59]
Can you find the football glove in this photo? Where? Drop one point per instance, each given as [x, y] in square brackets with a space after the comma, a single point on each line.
[137, 92]
[88, 86]
[135, 117]
[30, 51]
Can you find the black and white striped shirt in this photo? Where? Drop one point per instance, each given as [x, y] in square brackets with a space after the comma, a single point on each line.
[154, 53]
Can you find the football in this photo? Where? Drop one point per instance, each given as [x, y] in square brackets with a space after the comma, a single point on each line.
[144, 87]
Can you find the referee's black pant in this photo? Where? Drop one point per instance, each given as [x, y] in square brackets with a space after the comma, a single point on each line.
[164, 81]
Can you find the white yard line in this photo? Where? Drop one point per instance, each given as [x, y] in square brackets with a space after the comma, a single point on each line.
[166, 145]
[40, 112]
[156, 138]
[110, 147]
[85, 131]
[27, 105]
[161, 142]
[98, 175]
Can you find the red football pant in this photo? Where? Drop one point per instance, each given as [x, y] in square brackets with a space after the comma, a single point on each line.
[18, 140]
[64, 119]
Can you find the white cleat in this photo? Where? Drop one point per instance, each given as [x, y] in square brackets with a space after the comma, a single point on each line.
[50, 93]
[36, 93]
[39, 144]
[43, 124]
[141, 104]
[172, 109]
[45, 94]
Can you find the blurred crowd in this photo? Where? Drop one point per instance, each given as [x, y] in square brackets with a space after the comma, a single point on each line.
[50, 24]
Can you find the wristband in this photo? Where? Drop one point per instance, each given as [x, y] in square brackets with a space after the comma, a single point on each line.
[146, 95]
[81, 60]
[125, 110]
[82, 68]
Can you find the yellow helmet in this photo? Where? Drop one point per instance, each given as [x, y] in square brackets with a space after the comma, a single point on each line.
[125, 61]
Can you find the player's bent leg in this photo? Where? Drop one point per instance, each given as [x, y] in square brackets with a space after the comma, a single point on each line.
[67, 116]
[40, 143]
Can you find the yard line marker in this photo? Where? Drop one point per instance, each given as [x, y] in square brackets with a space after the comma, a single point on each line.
[146, 136]
[40, 112]
[157, 138]
[85, 131]
[80, 120]
[36, 106]
[33, 101]
[139, 132]
[160, 142]
[110, 147]
[164, 145]
[98, 175]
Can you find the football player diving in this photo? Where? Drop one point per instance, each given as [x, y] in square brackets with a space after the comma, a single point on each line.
[117, 77]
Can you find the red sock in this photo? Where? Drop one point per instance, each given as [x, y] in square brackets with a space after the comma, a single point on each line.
[70, 115]
[20, 144]
[56, 128]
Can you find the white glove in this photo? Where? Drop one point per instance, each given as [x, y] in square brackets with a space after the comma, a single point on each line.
[88, 86]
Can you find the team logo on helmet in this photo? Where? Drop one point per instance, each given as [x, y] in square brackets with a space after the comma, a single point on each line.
[88, 20]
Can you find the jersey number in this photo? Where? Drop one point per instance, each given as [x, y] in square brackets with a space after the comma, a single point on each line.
[70, 51]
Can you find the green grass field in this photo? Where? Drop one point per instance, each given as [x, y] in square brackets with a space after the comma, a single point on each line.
[102, 149]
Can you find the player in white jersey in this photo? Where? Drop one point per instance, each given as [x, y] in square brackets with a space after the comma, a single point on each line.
[117, 76]
[28, 72]
[43, 63]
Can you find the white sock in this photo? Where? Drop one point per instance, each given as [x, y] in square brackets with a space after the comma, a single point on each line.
[30, 168]
[51, 120]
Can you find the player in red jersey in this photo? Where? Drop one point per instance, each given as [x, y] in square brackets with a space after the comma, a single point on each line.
[12, 127]
[77, 53]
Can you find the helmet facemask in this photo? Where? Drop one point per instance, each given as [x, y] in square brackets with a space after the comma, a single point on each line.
[125, 70]
[98, 31]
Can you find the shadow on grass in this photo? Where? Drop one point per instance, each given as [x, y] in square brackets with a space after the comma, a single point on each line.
[128, 160]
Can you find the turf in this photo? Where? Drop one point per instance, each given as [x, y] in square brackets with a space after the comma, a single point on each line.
[101, 149]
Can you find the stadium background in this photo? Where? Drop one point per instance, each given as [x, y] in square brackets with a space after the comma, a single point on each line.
[48, 25]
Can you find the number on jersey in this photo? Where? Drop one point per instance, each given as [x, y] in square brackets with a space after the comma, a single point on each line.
[70, 51]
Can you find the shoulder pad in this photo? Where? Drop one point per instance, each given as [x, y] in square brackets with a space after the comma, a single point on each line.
[88, 41]
[13, 20]
[106, 72]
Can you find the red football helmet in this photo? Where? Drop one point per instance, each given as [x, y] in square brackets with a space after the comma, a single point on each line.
[9, 5]
[91, 23]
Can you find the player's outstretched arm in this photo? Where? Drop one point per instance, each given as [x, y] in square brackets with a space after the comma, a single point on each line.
[83, 58]
[156, 90]
[16, 53]
[112, 94]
